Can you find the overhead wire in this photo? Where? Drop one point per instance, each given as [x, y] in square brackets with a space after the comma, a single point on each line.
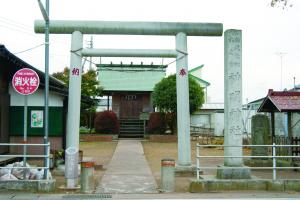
[29, 49]
[10, 21]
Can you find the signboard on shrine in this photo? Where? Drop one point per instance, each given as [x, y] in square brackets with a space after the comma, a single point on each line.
[25, 81]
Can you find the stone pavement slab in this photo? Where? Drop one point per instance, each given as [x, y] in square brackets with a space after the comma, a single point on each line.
[128, 171]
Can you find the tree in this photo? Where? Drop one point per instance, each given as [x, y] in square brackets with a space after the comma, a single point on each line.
[89, 84]
[281, 3]
[164, 95]
[164, 98]
[89, 87]
[63, 76]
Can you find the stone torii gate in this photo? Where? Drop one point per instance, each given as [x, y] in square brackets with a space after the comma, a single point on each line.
[180, 31]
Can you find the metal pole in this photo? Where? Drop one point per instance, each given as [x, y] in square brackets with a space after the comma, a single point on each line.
[25, 135]
[91, 59]
[281, 72]
[46, 134]
[90, 121]
[281, 54]
[274, 161]
[48, 160]
[198, 163]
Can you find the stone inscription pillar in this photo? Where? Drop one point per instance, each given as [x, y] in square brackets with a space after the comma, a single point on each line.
[260, 131]
[233, 106]
[183, 108]
[233, 96]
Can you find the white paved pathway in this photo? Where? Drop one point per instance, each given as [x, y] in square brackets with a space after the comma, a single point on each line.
[128, 171]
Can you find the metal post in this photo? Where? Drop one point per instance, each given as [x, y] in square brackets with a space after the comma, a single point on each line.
[198, 162]
[87, 176]
[48, 160]
[274, 161]
[273, 126]
[46, 134]
[25, 135]
[107, 102]
[167, 179]
[90, 121]
[183, 108]
[144, 127]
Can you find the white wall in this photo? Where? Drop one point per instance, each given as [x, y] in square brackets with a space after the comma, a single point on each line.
[36, 99]
[296, 124]
[209, 120]
[197, 73]
[202, 120]
[218, 123]
[247, 116]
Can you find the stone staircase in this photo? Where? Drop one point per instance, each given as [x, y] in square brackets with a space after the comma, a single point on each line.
[131, 128]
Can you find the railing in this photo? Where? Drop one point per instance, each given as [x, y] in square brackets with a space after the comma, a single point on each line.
[273, 156]
[25, 156]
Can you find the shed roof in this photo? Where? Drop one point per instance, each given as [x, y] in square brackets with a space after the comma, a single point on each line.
[285, 101]
[195, 73]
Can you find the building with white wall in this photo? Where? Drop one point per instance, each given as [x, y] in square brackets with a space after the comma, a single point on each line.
[12, 108]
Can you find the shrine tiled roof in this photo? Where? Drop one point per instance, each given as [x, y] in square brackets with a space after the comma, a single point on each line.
[285, 101]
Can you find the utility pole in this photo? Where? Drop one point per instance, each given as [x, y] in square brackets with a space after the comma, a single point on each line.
[45, 13]
[90, 46]
[281, 54]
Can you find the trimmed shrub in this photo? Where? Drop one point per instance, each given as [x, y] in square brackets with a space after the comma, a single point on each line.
[106, 122]
[157, 123]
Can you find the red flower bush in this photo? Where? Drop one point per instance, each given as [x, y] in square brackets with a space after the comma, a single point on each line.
[106, 122]
[157, 123]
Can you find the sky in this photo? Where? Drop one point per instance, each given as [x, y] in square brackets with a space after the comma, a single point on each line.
[267, 33]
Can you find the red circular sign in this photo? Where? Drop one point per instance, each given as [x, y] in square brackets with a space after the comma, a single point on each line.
[25, 81]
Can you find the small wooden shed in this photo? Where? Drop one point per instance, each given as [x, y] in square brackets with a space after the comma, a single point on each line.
[281, 101]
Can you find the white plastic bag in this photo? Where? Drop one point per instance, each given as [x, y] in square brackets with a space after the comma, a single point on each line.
[6, 170]
[8, 177]
[40, 174]
[19, 172]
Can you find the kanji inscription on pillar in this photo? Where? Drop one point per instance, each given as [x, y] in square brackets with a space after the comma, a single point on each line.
[182, 72]
[75, 72]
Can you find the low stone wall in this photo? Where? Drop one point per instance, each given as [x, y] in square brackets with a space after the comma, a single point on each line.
[163, 138]
[243, 184]
[29, 185]
[97, 138]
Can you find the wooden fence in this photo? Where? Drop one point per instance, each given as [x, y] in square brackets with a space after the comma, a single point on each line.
[284, 151]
